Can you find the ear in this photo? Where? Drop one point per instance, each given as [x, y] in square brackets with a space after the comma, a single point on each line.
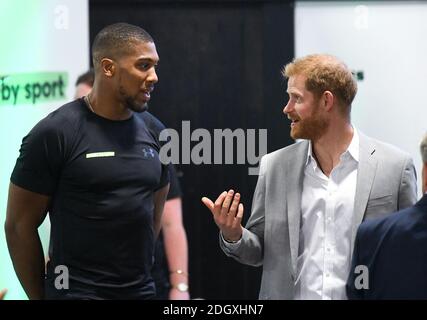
[327, 100]
[108, 67]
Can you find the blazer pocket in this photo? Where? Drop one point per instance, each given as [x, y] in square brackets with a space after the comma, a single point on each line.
[380, 201]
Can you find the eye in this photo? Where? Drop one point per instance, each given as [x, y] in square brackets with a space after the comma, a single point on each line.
[295, 98]
[144, 66]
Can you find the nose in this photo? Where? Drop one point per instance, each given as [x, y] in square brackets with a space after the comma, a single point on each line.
[288, 107]
[152, 76]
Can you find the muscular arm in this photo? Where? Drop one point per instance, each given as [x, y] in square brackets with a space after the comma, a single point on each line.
[26, 210]
[159, 203]
[175, 242]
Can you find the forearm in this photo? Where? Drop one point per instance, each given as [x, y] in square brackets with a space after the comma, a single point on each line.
[26, 253]
[175, 241]
[175, 244]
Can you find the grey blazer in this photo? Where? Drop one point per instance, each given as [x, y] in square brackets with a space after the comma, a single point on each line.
[386, 182]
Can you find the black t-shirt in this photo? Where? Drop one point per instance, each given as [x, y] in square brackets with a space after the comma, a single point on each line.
[101, 176]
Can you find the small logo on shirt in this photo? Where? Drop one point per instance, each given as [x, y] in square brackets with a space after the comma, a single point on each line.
[100, 154]
[148, 153]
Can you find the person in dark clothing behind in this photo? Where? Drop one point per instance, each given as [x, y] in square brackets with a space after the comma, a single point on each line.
[94, 165]
[390, 255]
[84, 83]
[171, 256]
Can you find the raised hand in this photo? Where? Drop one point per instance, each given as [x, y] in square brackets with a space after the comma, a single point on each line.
[227, 212]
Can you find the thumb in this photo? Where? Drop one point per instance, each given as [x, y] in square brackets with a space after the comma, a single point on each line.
[208, 203]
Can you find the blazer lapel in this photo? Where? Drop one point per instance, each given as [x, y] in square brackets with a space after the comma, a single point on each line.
[365, 178]
[295, 176]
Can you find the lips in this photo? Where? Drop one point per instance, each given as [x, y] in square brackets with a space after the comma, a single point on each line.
[147, 93]
[294, 121]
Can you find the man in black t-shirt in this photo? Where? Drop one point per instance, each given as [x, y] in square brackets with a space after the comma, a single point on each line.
[170, 267]
[94, 165]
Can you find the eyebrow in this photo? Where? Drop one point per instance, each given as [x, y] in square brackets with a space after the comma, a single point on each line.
[147, 59]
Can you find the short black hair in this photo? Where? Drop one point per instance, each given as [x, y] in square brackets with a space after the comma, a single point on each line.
[88, 78]
[116, 40]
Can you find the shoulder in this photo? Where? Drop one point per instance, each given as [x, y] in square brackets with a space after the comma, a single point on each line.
[299, 147]
[62, 120]
[153, 124]
[383, 149]
[279, 159]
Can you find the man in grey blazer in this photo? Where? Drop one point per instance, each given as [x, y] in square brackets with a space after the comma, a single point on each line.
[311, 196]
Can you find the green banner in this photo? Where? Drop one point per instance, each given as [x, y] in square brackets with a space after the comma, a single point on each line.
[32, 88]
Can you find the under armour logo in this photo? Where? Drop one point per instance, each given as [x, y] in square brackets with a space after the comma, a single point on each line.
[148, 152]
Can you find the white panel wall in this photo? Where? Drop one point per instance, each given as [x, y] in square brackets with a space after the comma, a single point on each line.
[37, 36]
[388, 42]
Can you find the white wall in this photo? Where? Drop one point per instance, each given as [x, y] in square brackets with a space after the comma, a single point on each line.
[387, 41]
[37, 36]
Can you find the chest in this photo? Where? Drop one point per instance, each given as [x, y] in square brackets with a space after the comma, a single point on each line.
[106, 158]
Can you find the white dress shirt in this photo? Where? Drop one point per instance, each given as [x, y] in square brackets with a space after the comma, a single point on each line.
[327, 208]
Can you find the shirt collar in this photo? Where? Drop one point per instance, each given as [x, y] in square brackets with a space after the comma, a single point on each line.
[310, 155]
[353, 150]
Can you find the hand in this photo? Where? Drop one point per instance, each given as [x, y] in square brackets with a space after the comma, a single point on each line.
[3, 293]
[227, 213]
[175, 294]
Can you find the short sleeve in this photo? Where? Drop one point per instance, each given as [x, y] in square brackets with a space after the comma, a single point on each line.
[175, 188]
[155, 127]
[41, 155]
[164, 179]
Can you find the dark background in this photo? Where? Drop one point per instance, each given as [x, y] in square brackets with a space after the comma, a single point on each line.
[220, 68]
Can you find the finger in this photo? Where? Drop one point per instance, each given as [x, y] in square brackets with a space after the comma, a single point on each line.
[208, 203]
[3, 293]
[226, 204]
[218, 202]
[239, 216]
[233, 207]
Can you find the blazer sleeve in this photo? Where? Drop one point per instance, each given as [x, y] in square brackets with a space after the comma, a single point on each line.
[408, 185]
[249, 249]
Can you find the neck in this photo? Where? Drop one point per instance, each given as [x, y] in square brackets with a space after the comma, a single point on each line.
[330, 146]
[106, 104]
